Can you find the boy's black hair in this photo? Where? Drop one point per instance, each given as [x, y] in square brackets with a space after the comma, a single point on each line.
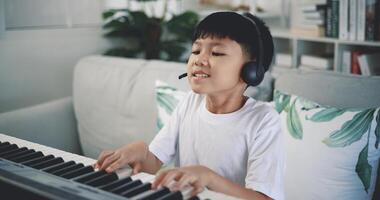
[234, 26]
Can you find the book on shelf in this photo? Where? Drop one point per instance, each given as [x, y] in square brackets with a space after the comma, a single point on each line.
[316, 31]
[346, 62]
[355, 68]
[370, 10]
[318, 61]
[370, 64]
[353, 20]
[283, 59]
[343, 19]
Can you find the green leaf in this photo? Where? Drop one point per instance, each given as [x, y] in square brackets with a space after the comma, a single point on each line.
[352, 130]
[363, 168]
[167, 102]
[293, 122]
[183, 24]
[281, 100]
[326, 114]
[307, 104]
[377, 129]
[160, 124]
[174, 49]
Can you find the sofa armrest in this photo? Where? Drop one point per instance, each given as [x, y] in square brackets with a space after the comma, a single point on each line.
[52, 124]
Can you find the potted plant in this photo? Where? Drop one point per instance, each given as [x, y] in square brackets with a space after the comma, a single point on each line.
[150, 37]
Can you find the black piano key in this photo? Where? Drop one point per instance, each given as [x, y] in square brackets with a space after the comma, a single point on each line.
[13, 151]
[157, 194]
[78, 172]
[102, 180]
[126, 186]
[37, 160]
[172, 196]
[90, 176]
[8, 147]
[4, 144]
[68, 169]
[48, 163]
[21, 153]
[28, 157]
[137, 190]
[57, 166]
[194, 198]
[116, 184]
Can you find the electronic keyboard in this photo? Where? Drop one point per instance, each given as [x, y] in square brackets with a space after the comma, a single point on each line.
[33, 171]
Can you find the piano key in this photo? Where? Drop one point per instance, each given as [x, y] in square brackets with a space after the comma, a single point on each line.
[102, 180]
[172, 196]
[5, 153]
[8, 147]
[57, 166]
[68, 169]
[48, 163]
[78, 172]
[116, 184]
[37, 160]
[14, 155]
[126, 186]
[156, 194]
[4, 143]
[28, 157]
[90, 176]
[137, 190]
[194, 198]
[67, 156]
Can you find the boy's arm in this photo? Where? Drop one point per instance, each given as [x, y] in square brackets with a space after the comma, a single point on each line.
[152, 164]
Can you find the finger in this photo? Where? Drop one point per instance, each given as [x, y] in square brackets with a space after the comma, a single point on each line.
[197, 190]
[170, 177]
[109, 160]
[117, 164]
[103, 155]
[157, 181]
[137, 168]
[186, 180]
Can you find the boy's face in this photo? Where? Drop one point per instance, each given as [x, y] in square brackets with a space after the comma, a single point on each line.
[214, 66]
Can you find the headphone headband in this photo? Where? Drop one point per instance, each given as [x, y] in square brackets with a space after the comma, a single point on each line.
[259, 57]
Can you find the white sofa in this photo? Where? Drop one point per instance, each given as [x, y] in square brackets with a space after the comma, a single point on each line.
[113, 103]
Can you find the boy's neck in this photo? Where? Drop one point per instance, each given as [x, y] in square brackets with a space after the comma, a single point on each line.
[218, 104]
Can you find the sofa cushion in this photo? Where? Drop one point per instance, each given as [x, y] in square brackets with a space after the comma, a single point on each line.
[167, 98]
[114, 100]
[332, 153]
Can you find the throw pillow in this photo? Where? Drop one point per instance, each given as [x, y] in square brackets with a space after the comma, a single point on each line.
[167, 99]
[332, 153]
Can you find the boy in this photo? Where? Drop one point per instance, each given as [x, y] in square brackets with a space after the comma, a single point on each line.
[219, 138]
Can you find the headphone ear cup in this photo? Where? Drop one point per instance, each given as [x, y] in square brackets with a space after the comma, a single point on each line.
[252, 73]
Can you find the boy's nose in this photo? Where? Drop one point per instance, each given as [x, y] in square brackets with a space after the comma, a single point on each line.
[201, 60]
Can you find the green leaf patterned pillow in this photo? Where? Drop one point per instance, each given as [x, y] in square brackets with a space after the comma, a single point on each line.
[332, 153]
[167, 98]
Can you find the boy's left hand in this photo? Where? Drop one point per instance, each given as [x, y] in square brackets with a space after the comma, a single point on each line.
[197, 177]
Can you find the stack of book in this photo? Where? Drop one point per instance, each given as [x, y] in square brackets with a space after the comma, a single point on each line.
[316, 62]
[283, 60]
[310, 20]
[359, 62]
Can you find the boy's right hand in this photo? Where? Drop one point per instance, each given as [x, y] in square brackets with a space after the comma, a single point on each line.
[133, 154]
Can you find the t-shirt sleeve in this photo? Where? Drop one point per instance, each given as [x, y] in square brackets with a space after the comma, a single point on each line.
[266, 157]
[165, 143]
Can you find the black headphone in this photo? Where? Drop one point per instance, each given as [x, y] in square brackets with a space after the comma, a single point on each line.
[252, 72]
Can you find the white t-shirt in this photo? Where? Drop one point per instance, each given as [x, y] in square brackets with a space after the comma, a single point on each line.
[245, 146]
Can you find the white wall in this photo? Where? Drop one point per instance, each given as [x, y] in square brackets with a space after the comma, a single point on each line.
[36, 63]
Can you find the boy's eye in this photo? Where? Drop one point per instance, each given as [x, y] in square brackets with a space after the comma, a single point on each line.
[195, 52]
[218, 54]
